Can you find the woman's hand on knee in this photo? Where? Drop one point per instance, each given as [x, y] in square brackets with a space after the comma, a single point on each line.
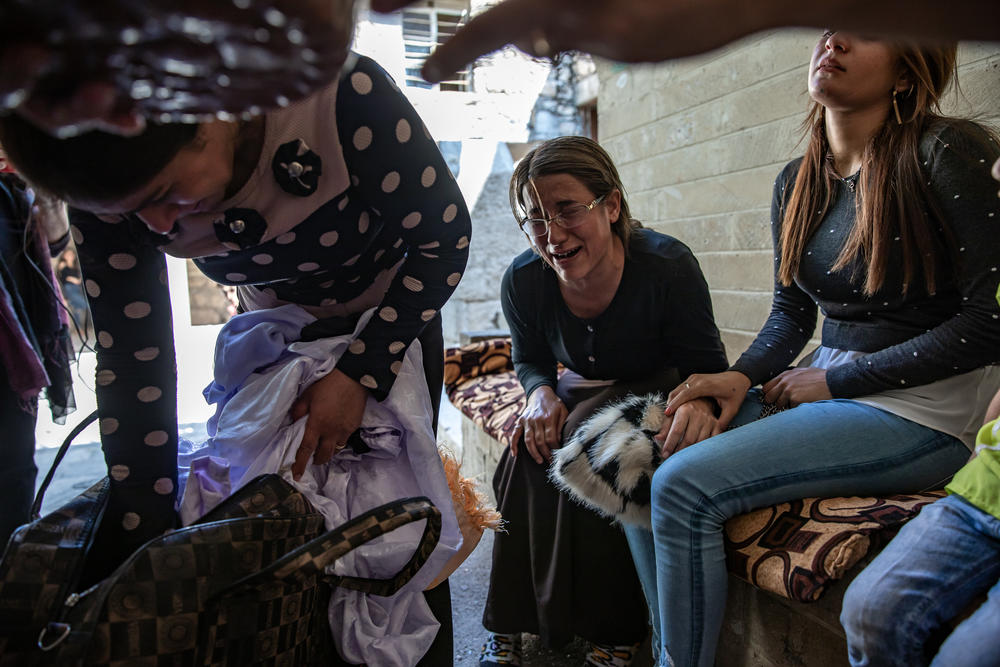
[692, 422]
[728, 389]
[335, 405]
[796, 386]
[541, 423]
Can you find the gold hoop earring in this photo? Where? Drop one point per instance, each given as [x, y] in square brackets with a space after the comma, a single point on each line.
[895, 107]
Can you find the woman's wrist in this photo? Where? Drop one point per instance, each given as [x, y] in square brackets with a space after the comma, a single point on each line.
[543, 392]
[741, 376]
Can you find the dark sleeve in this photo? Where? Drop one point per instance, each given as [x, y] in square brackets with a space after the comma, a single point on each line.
[402, 175]
[691, 331]
[13, 214]
[958, 166]
[530, 350]
[136, 379]
[793, 312]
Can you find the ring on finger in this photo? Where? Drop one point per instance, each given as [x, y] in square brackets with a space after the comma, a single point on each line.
[687, 385]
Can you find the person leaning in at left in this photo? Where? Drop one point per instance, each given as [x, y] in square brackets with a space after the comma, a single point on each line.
[35, 348]
[625, 310]
[339, 203]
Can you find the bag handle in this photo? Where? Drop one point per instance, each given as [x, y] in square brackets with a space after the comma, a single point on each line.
[36, 507]
[312, 557]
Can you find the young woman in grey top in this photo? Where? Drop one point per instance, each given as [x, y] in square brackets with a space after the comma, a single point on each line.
[886, 226]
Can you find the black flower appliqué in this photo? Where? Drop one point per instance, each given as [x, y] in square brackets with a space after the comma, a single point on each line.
[297, 168]
[242, 227]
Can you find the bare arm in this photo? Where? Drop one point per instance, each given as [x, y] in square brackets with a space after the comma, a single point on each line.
[655, 30]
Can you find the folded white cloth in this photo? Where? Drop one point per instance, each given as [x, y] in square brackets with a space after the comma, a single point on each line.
[259, 372]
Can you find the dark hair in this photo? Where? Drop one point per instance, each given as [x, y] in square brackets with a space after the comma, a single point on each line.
[93, 166]
[892, 193]
[584, 160]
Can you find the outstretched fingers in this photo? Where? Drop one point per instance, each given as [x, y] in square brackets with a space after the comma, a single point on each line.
[506, 23]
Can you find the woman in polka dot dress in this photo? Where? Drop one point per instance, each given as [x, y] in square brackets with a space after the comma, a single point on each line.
[888, 226]
[338, 203]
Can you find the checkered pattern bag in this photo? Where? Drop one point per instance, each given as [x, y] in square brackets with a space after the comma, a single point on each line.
[245, 585]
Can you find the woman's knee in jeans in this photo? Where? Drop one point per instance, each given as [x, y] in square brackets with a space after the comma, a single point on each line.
[873, 617]
[677, 487]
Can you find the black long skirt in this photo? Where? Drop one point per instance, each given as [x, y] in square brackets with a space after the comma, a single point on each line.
[561, 570]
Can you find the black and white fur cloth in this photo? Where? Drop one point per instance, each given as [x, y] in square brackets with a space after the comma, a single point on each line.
[608, 463]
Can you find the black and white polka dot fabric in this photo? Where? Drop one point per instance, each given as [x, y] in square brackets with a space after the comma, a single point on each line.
[351, 205]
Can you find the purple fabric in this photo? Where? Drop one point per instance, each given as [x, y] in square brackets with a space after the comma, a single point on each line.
[25, 372]
[33, 326]
[209, 478]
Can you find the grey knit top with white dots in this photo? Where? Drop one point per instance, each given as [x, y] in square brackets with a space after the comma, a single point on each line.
[910, 339]
[350, 206]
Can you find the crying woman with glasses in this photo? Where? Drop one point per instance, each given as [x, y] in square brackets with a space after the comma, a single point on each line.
[625, 310]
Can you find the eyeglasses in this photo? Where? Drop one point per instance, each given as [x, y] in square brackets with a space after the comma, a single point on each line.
[571, 215]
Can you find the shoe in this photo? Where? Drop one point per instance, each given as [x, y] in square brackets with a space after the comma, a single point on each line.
[609, 655]
[501, 649]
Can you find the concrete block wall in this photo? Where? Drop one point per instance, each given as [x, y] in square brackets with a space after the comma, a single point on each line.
[208, 303]
[699, 142]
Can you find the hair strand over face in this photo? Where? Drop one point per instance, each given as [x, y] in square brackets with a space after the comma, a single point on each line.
[584, 160]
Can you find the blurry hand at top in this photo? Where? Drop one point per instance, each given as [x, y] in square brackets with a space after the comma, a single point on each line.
[91, 105]
[655, 30]
[625, 30]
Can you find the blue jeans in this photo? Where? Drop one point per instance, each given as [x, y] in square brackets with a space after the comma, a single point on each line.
[938, 564]
[822, 449]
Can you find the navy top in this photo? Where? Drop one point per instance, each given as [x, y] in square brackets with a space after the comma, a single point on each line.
[660, 317]
[910, 339]
[351, 205]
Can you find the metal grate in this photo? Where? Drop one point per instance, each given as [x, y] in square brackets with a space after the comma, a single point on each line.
[424, 29]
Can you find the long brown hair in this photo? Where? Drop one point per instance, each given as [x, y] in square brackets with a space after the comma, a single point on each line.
[584, 160]
[892, 194]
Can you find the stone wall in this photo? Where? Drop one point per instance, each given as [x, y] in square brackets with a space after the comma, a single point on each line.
[700, 141]
[207, 298]
[496, 240]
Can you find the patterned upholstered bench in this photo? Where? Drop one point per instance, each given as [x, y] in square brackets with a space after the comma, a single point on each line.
[779, 557]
